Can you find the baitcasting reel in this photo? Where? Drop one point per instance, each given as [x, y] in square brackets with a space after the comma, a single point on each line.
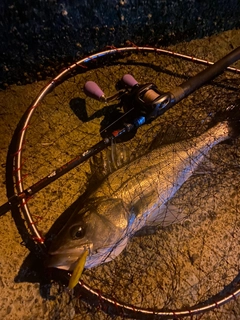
[141, 103]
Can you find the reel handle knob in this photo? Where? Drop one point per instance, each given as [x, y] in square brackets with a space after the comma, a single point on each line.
[129, 80]
[92, 90]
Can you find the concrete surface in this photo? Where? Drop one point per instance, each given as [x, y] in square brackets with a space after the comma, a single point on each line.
[176, 267]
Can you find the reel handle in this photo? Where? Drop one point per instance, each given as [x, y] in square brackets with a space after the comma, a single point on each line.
[129, 80]
[92, 90]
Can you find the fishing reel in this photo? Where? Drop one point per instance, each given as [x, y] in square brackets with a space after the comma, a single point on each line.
[141, 103]
[146, 99]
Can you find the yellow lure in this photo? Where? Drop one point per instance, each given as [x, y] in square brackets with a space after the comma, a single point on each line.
[77, 272]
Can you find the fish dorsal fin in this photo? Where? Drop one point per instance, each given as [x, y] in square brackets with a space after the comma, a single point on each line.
[109, 160]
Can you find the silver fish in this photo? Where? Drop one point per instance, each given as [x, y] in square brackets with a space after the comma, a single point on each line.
[133, 197]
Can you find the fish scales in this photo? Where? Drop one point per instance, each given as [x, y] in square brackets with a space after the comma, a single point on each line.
[129, 199]
[162, 171]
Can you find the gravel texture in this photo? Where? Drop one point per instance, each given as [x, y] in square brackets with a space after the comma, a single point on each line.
[176, 267]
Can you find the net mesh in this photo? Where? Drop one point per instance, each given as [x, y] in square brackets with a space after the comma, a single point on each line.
[177, 267]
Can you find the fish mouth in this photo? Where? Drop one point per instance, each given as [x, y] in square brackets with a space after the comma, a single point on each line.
[61, 261]
[65, 259]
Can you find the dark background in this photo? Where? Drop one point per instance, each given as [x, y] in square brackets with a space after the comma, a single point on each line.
[40, 37]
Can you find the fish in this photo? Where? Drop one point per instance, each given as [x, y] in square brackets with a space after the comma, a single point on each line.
[133, 197]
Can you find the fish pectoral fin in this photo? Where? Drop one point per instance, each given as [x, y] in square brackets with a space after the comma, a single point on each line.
[143, 203]
[205, 167]
[167, 215]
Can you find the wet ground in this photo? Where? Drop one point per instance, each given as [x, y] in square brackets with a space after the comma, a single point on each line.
[176, 268]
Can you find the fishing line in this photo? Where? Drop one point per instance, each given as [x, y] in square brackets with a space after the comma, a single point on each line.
[160, 257]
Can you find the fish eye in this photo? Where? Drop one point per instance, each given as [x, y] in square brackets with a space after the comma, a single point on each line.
[78, 232]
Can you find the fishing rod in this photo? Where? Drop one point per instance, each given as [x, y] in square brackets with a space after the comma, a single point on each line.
[141, 103]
